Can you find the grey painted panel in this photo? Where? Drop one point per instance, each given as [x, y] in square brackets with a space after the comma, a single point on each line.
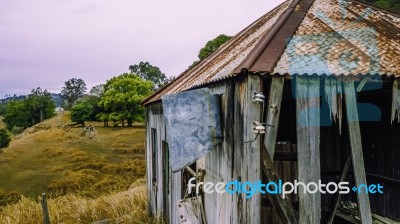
[193, 125]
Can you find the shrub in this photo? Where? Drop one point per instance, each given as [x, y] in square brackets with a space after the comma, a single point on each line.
[17, 130]
[4, 139]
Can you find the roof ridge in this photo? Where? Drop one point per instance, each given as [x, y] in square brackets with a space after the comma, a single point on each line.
[301, 6]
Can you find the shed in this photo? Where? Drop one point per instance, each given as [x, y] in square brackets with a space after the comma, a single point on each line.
[308, 92]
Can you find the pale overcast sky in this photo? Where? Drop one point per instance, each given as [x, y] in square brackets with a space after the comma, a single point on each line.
[45, 42]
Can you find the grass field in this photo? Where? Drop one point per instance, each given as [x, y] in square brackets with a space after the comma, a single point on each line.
[124, 207]
[62, 161]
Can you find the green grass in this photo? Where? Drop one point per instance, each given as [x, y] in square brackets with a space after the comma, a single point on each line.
[61, 161]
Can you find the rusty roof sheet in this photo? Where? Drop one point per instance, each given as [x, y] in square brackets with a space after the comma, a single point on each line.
[329, 37]
[341, 38]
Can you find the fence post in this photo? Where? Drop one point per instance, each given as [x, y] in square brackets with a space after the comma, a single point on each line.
[46, 217]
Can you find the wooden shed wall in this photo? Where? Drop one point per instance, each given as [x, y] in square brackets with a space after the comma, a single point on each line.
[155, 122]
[381, 150]
[233, 160]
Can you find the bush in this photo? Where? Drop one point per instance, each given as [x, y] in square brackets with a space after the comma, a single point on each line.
[4, 139]
[81, 112]
[17, 130]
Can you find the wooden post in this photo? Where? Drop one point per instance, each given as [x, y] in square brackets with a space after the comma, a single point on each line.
[356, 148]
[337, 196]
[273, 110]
[308, 143]
[251, 152]
[46, 216]
[282, 206]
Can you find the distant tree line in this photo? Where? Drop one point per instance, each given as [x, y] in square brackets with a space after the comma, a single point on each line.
[116, 101]
[29, 110]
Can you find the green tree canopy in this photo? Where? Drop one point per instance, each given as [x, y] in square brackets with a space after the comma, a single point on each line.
[152, 73]
[81, 112]
[73, 89]
[29, 111]
[4, 139]
[122, 96]
[17, 114]
[97, 90]
[40, 105]
[213, 45]
[393, 5]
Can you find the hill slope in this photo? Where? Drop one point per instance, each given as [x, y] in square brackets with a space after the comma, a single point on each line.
[57, 160]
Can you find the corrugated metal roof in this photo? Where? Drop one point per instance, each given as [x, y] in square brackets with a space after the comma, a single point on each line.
[342, 38]
[304, 37]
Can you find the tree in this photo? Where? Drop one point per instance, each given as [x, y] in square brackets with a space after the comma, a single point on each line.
[121, 99]
[17, 114]
[93, 101]
[97, 90]
[393, 5]
[73, 90]
[29, 111]
[152, 73]
[81, 112]
[4, 139]
[40, 105]
[213, 45]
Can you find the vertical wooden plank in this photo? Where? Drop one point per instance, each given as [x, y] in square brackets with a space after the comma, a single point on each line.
[175, 195]
[282, 206]
[356, 148]
[337, 198]
[273, 110]
[251, 170]
[218, 163]
[155, 122]
[148, 161]
[246, 155]
[238, 149]
[308, 142]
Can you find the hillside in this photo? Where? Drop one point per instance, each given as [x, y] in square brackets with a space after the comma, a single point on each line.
[58, 160]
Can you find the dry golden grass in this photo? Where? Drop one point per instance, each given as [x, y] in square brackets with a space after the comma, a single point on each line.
[87, 178]
[60, 161]
[124, 207]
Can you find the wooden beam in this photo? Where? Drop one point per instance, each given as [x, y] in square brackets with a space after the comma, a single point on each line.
[337, 196]
[308, 145]
[282, 206]
[273, 110]
[362, 83]
[356, 148]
